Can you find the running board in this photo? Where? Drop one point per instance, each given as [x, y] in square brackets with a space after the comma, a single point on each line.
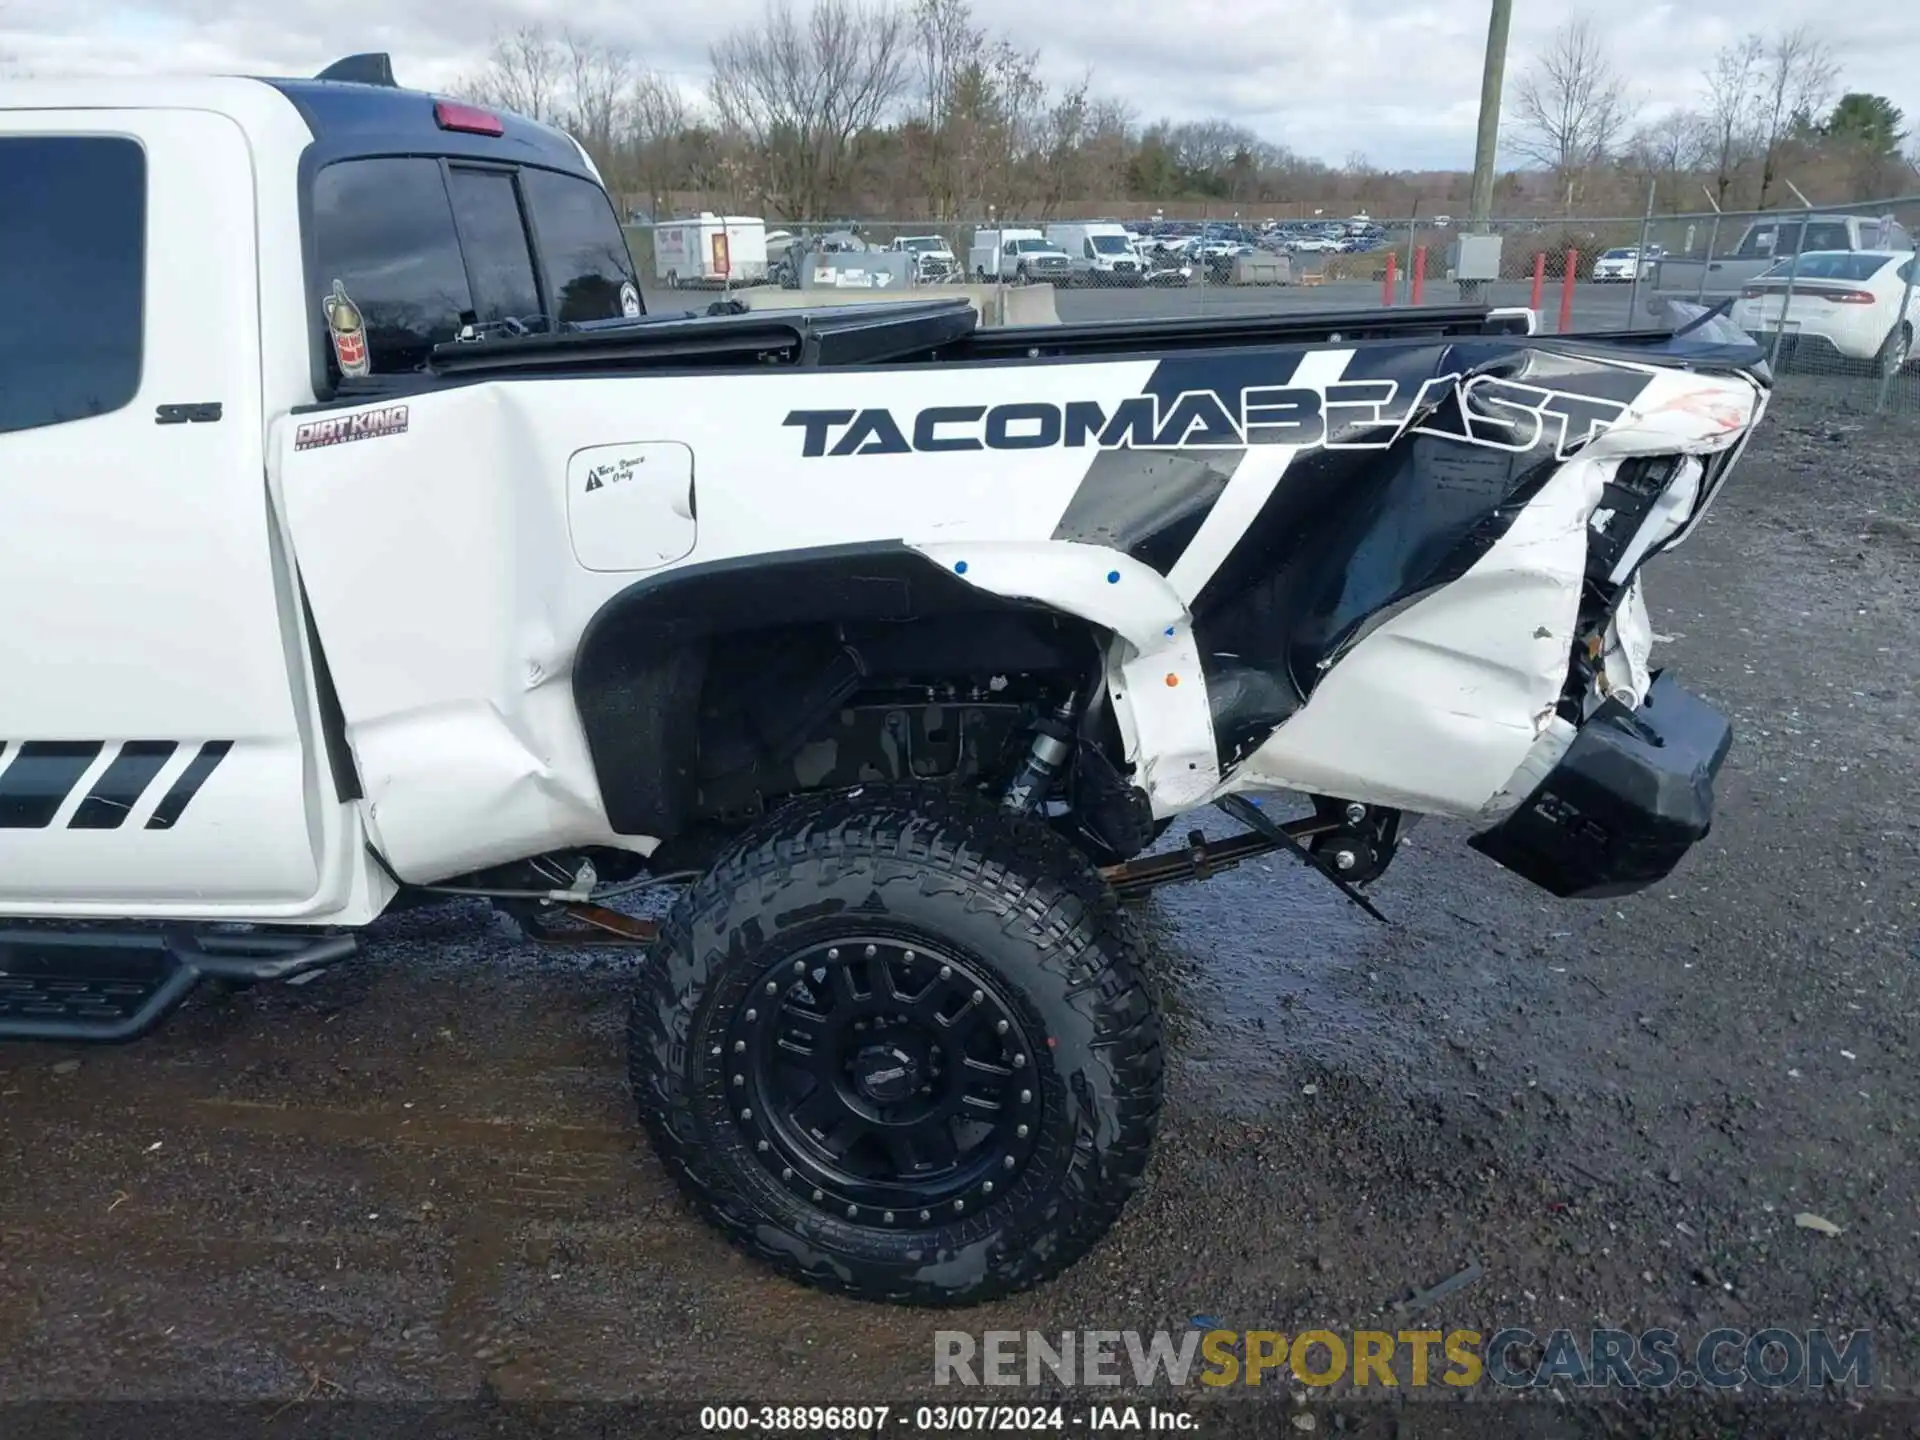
[104, 986]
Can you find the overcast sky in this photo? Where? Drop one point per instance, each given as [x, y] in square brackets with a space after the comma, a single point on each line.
[1396, 79]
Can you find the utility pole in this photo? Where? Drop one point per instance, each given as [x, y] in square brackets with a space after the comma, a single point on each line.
[1487, 143]
[1487, 146]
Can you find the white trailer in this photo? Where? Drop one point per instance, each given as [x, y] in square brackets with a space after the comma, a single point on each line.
[711, 250]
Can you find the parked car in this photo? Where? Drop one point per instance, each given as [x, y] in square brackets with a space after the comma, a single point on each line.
[1622, 264]
[1017, 256]
[1098, 253]
[1772, 239]
[1861, 306]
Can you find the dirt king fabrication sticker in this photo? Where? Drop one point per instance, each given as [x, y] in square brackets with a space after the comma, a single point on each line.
[339, 429]
[1354, 415]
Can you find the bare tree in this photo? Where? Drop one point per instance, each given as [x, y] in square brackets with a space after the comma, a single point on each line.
[1732, 80]
[525, 72]
[599, 83]
[947, 43]
[657, 139]
[1670, 152]
[801, 90]
[1797, 74]
[1572, 105]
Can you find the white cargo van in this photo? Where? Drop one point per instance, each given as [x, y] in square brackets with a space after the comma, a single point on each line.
[1017, 255]
[1099, 252]
[711, 250]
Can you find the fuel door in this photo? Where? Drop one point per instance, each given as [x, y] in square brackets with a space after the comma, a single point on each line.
[631, 506]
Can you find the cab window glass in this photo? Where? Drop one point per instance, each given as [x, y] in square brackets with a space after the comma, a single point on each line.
[493, 235]
[384, 230]
[582, 248]
[72, 271]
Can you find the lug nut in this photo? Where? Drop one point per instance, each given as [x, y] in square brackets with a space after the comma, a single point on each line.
[738, 1046]
[852, 1210]
[739, 1080]
[752, 1015]
[746, 1114]
[888, 1217]
[946, 972]
[1356, 813]
[978, 996]
[987, 1189]
[819, 1194]
[800, 966]
[786, 1172]
[763, 1147]
[1000, 1028]
[1345, 860]
[1021, 1132]
[871, 952]
[1026, 1097]
[772, 988]
[926, 1215]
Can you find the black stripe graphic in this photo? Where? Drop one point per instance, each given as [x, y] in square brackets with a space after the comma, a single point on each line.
[188, 785]
[41, 777]
[118, 790]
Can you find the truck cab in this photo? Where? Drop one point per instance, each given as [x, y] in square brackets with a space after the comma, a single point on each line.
[209, 258]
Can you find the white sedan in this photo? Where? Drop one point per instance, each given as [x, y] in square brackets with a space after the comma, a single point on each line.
[1619, 265]
[1861, 305]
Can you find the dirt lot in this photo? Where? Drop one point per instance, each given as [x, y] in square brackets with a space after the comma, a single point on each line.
[418, 1178]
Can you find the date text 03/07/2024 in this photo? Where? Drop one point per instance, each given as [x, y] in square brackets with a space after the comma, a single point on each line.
[940, 1419]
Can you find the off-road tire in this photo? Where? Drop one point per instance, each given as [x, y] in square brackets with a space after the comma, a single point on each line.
[1019, 904]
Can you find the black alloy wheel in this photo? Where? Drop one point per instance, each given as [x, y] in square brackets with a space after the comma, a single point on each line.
[895, 1044]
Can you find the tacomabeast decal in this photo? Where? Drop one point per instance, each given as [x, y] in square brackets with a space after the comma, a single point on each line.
[1348, 415]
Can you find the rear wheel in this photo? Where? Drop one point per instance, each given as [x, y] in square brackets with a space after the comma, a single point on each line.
[896, 1045]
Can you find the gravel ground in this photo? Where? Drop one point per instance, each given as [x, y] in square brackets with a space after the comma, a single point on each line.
[418, 1178]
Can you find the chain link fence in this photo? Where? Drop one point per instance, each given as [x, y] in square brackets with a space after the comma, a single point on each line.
[1831, 290]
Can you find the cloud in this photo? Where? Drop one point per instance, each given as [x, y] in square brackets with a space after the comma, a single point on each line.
[1397, 80]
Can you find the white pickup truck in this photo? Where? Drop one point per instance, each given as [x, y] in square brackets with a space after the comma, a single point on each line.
[364, 543]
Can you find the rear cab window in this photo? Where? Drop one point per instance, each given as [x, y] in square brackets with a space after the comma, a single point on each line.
[1786, 237]
[420, 251]
[72, 279]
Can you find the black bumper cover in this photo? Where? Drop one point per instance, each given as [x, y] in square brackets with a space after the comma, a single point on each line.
[1633, 794]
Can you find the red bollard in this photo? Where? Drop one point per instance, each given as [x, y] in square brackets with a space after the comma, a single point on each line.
[1539, 281]
[1566, 291]
[1419, 274]
[1392, 281]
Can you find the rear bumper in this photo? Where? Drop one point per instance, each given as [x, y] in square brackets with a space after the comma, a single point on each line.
[1631, 796]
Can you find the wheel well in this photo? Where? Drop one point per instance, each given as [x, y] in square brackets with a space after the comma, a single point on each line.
[708, 692]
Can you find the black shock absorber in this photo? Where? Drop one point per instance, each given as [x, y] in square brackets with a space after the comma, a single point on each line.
[1052, 748]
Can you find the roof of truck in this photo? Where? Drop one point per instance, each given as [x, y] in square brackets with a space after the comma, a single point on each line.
[345, 118]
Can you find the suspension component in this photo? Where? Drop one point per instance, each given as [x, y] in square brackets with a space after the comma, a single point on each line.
[1053, 743]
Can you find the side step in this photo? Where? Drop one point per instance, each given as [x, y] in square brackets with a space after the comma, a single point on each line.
[109, 986]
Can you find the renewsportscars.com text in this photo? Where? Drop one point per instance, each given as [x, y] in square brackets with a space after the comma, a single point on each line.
[1513, 1358]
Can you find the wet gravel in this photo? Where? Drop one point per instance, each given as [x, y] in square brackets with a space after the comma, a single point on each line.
[418, 1177]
